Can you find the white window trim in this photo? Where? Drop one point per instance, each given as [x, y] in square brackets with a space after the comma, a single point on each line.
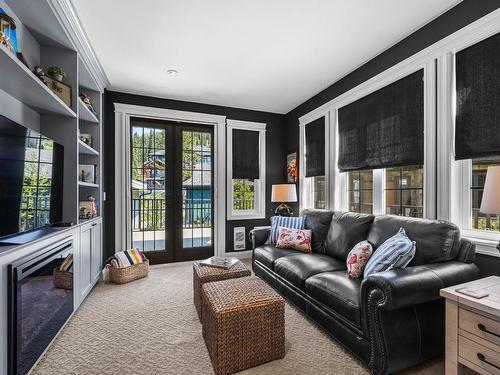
[260, 184]
[305, 188]
[123, 113]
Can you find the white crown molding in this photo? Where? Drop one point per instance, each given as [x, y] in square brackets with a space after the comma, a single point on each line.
[65, 13]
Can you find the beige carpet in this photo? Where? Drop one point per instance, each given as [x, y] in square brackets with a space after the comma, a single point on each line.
[150, 326]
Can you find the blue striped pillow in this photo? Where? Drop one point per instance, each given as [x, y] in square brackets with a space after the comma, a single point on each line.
[395, 252]
[286, 222]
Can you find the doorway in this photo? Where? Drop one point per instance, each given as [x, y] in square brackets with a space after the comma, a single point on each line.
[172, 200]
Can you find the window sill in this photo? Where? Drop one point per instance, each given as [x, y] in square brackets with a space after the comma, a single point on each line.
[485, 246]
[245, 217]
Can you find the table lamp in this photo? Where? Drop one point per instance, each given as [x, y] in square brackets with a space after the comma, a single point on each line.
[490, 204]
[284, 193]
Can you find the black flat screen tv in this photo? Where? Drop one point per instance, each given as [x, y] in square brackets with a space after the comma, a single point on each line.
[31, 180]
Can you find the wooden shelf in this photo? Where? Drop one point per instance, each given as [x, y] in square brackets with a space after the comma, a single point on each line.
[85, 114]
[88, 184]
[84, 148]
[18, 81]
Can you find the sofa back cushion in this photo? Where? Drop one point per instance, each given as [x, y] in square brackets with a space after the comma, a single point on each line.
[318, 221]
[437, 241]
[346, 230]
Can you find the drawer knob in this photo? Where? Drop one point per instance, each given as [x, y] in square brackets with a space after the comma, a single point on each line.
[482, 358]
[482, 328]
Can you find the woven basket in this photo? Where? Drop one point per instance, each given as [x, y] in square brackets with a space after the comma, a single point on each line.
[127, 274]
[62, 279]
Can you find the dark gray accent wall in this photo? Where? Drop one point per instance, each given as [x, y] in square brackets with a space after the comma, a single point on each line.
[456, 18]
[275, 150]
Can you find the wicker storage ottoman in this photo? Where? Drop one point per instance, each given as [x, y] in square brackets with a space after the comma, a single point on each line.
[207, 274]
[243, 324]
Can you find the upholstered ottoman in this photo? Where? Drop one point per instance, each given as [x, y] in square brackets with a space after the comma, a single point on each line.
[243, 324]
[205, 274]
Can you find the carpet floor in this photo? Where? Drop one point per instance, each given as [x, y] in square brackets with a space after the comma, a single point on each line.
[150, 326]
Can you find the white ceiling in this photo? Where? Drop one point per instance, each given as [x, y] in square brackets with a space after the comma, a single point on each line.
[256, 54]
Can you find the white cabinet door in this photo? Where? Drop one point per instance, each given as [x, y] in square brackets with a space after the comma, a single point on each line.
[85, 270]
[96, 250]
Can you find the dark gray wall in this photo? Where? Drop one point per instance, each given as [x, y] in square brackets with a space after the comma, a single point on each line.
[275, 150]
[451, 21]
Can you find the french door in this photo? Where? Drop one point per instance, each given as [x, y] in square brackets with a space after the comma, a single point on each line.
[171, 190]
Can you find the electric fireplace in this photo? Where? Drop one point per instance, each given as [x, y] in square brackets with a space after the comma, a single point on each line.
[40, 303]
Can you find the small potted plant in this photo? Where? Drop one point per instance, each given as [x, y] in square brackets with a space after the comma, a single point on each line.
[57, 73]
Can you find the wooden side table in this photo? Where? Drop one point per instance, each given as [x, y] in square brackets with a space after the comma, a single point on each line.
[473, 328]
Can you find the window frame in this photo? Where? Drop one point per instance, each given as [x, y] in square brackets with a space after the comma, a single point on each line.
[359, 191]
[306, 193]
[259, 211]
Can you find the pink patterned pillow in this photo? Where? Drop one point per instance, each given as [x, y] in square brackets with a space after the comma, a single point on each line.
[357, 259]
[297, 239]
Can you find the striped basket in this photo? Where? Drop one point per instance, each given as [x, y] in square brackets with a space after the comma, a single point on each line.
[127, 274]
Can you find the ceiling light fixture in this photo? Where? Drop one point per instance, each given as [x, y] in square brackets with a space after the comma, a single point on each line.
[172, 72]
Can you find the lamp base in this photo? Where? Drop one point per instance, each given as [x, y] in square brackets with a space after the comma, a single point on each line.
[498, 246]
[284, 210]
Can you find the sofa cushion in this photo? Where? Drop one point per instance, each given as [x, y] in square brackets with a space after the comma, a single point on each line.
[437, 241]
[296, 222]
[319, 222]
[337, 291]
[346, 230]
[297, 268]
[267, 254]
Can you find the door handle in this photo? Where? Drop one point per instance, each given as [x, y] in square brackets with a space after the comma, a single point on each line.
[482, 358]
[482, 328]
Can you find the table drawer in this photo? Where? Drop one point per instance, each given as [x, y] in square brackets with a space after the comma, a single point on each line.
[480, 326]
[479, 355]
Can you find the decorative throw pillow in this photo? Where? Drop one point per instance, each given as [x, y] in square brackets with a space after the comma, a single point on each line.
[297, 239]
[396, 252]
[286, 222]
[358, 258]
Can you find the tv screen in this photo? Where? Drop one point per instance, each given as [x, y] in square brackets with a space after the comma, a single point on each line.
[31, 179]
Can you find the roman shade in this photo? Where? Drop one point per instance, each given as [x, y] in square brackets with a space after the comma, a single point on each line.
[245, 154]
[315, 148]
[477, 125]
[384, 129]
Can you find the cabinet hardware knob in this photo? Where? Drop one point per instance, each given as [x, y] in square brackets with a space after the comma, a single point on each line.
[482, 328]
[482, 358]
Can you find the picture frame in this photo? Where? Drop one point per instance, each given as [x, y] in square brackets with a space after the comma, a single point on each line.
[292, 170]
[86, 210]
[86, 173]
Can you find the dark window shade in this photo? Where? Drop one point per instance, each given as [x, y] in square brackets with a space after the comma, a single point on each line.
[477, 126]
[246, 154]
[384, 129]
[315, 148]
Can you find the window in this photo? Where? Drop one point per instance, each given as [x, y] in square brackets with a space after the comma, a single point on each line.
[318, 195]
[245, 195]
[479, 220]
[404, 191]
[360, 191]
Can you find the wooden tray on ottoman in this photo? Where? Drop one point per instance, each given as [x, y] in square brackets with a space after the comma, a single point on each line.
[206, 274]
[243, 324]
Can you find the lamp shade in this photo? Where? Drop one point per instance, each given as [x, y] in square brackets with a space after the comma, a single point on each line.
[490, 203]
[284, 193]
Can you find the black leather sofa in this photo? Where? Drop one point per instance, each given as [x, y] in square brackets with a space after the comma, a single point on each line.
[391, 320]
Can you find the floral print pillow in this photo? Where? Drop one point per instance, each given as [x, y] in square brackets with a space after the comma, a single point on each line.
[296, 239]
[357, 259]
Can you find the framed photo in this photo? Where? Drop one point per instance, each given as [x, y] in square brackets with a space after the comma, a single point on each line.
[292, 168]
[86, 210]
[86, 138]
[87, 173]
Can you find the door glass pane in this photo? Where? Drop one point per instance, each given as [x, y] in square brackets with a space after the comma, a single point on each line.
[148, 188]
[196, 189]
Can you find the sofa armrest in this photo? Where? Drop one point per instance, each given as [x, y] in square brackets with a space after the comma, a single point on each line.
[259, 236]
[413, 285]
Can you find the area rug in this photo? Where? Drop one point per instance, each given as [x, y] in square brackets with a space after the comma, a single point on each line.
[150, 326]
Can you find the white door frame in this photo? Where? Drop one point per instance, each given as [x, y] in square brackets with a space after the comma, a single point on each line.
[123, 113]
